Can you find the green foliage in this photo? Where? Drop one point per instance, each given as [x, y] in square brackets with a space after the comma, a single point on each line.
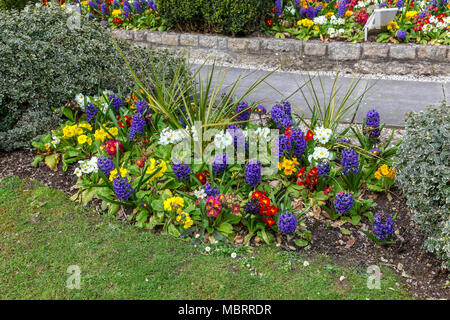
[16, 4]
[422, 164]
[223, 16]
[44, 64]
[235, 17]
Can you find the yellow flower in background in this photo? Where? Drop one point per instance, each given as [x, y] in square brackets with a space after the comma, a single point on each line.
[68, 132]
[116, 13]
[185, 219]
[348, 13]
[100, 134]
[392, 26]
[316, 28]
[82, 139]
[329, 14]
[307, 23]
[384, 170]
[114, 174]
[84, 3]
[173, 203]
[288, 166]
[153, 167]
[114, 131]
[410, 14]
[85, 125]
[377, 175]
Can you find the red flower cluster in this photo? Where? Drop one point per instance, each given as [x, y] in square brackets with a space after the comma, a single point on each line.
[309, 136]
[117, 21]
[308, 179]
[128, 121]
[203, 177]
[362, 16]
[266, 209]
[111, 147]
[269, 22]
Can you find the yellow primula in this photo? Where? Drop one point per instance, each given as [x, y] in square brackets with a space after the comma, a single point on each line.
[410, 14]
[392, 26]
[153, 167]
[185, 219]
[68, 132]
[113, 174]
[384, 170]
[348, 13]
[307, 23]
[329, 14]
[82, 139]
[84, 3]
[288, 166]
[116, 13]
[174, 203]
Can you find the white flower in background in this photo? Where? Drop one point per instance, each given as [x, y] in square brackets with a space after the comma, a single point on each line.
[332, 32]
[227, 139]
[169, 136]
[78, 172]
[201, 194]
[322, 135]
[55, 141]
[305, 263]
[79, 99]
[263, 133]
[319, 154]
[222, 140]
[245, 133]
[433, 19]
[194, 133]
[234, 255]
[197, 236]
[208, 249]
[341, 32]
[426, 28]
[320, 20]
[341, 21]
[89, 166]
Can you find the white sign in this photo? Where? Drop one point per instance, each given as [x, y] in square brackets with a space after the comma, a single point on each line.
[379, 19]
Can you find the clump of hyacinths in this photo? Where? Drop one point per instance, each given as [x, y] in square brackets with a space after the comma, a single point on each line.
[253, 173]
[343, 202]
[287, 223]
[181, 170]
[383, 226]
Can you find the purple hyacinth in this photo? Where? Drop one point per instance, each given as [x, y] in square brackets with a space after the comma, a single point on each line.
[137, 6]
[399, 4]
[278, 8]
[220, 163]
[298, 142]
[287, 222]
[260, 109]
[286, 107]
[253, 173]
[92, 5]
[252, 207]
[211, 191]
[341, 9]
[242, 115]
[141, 107]
[91, 112]
[373, 119]
[116, 102]
[350, 161]
[181, 170]
[343, 202]
[151, 5]
[116, 3]
[126, 9]
[401, 34]
[284, 145]
[105, 164]
[104, 9]
[383, 226]
[382, 5]
[122, 188]
[281, 118]
[137, 126]
[323, 169]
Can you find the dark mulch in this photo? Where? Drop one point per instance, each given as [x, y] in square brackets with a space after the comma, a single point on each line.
[420, 270]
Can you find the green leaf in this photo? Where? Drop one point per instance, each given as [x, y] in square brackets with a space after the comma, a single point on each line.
[158, 205]
[301, 242]
[173, 231]
[345, 231]
[225, 228]
[52, 161]
[36, 161]
[356, 220]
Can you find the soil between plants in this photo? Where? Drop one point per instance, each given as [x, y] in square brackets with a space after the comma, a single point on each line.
[420, 270]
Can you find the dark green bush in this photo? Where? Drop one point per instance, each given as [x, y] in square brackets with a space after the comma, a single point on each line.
[222, 16]
[44, 64]
[423, 172]
[16, 4]
[235, 17]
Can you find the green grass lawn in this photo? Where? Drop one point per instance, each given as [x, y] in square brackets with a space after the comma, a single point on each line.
[43, 233]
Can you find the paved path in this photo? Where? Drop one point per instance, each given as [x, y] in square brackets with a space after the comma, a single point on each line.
[392, 98]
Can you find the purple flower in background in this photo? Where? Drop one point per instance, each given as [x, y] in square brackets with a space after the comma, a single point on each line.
[252, 207]
[137, 126]
[92, 5]
[91, 112]
[122, 188]
[323, 169]
[243, 111]
[401, 34]
[281, 118]
[220, 163]
[126, 9]
[116, 102]
[253, 173]
[260, 110]
[423, 15]
[350, 161]
[116, 4]
[343, 202]
[341, 9]
[286, 107]
[211, 191]
[151, 5]
[284, 144]
[373, 119]
[278, 8]
[287, 223]
[382, 5]
[141, 107]
[137, 6]
[383, 226]
[399, 4]
[181, 170]
[104, 9]
[105, 164]
[298, 142]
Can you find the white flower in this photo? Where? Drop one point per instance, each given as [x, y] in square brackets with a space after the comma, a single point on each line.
[201, 194]
[207, 249]
[78, 172]
[320, 153]
[322, 135]
[197, 236]
[320, 20]
[234, 255]
[331, 32]
[227, 139]
[218, 140]
[305, 263]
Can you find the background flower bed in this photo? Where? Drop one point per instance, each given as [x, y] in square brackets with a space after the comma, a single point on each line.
[417, 21]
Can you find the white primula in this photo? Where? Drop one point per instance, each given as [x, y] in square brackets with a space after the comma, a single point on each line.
[227, 139]
[320, 20]
[55, 141]
[78, 172]
[322, 135]
[263, 133]
[80, 100]
[332, 32]
[319, 154]
[200, 194]
[88, 166]
[222, 140]
[169, 136]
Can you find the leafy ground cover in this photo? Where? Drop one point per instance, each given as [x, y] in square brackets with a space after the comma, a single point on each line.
[43, 232]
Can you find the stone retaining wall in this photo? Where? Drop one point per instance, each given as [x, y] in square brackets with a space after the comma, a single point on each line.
[313, 55]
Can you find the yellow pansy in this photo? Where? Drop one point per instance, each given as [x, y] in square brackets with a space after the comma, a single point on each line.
[392, 26]
[113, 174]
[410, 14]
[173, 203]
[82, 139]
[116, 13]
[152, 168]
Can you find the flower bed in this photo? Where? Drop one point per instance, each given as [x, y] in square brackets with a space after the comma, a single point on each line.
[416, 22]
[197, 162]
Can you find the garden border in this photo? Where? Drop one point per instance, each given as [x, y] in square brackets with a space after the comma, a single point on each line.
[312, 55]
